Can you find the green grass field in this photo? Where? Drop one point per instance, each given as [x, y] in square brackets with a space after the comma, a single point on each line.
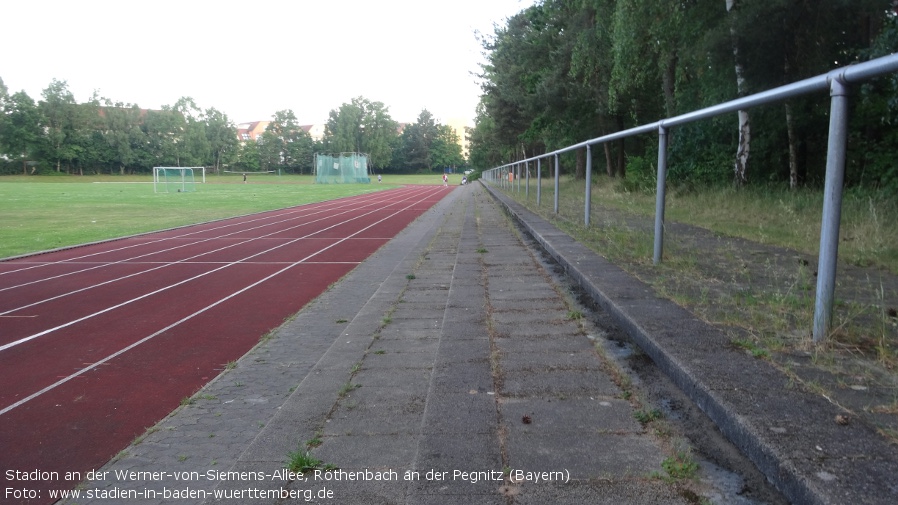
[42, 213]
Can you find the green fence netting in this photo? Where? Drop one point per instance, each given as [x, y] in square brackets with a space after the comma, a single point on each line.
[343, 168]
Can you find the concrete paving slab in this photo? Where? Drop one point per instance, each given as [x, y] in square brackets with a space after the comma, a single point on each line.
[570, 415]
[520, 357]
[530, 315]
[604, 492]
[469, 452]
[461, 413]
[369, 452]
[585, 455]
[470, 378]
[559, 383]
[401, 346]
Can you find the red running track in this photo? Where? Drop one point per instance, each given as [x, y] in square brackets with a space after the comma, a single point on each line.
[99, 342]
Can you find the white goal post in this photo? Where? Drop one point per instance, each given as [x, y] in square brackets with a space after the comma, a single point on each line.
[176, 179]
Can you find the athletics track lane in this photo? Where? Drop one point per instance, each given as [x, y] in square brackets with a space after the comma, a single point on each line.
[208, 293]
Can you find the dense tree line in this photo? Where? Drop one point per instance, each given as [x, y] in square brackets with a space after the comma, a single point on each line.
[56, 134]
[366, 126]
[563, 71]
[103, 136]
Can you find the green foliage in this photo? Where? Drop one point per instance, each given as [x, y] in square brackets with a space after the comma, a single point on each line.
[21, 134]
[362, 126]
[301, 461]
[641, 175]
[107, 136]
[414, 153]
[426, 146]
[700, 153]
[874, 148]
[561, 72]
[446, 148]
[680, 467]
[59, 135]
[248, 157]
[647, 416]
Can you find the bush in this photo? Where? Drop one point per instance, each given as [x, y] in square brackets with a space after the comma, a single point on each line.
[641, 175]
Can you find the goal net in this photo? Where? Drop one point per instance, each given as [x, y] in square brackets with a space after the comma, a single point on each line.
[343, 168]
[174, 179]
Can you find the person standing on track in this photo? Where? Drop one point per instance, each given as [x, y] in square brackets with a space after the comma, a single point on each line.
[445, 180]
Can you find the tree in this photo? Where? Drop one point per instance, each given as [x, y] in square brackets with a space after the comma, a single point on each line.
[221, 135]
[484, 150]
[21, 134]
[4, 119]
[285, 144]
[740, 167]
[123, 134]
[248, 157]
[194, 148]
[534, 94]
[269, 150]
[59, 112]
[445, 151]
[381, 134]
[414, 153]
[362, 126]
[88, 136]
[164, 131]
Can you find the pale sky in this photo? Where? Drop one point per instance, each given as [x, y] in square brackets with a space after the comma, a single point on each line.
[251, 59]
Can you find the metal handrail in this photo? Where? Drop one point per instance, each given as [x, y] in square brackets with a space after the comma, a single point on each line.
[836, 81]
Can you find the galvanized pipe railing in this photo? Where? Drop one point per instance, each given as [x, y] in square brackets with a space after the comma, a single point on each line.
[836, 82]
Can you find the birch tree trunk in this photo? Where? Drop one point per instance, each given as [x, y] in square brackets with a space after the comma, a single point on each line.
[609, 169]
[793, 151]
[790, 117]
[580, 170]
[740, 169]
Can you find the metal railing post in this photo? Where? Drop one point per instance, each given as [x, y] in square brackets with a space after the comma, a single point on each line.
[587, 206]
[539, 182]
[527, 185]
[660, 194]
[556, 184]
[832, 207]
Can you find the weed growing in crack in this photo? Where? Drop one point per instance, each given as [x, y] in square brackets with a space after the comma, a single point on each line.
[646, 416]
[302, 461]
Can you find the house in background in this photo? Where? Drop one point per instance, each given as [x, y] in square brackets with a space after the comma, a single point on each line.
[316, 131]
[251, 131]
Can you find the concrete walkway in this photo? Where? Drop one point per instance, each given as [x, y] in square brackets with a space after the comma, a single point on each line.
[447, 368]
[451, 367]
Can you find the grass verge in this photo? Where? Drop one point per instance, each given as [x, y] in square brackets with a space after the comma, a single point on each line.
[746, 264]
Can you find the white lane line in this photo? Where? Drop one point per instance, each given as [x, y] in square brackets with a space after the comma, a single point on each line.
[324, 206]
[146, 295]
[181, 237]
[182, 320]
[183, 261]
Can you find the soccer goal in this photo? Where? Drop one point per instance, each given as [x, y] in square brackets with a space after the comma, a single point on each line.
[175, 179]
[343, 168]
